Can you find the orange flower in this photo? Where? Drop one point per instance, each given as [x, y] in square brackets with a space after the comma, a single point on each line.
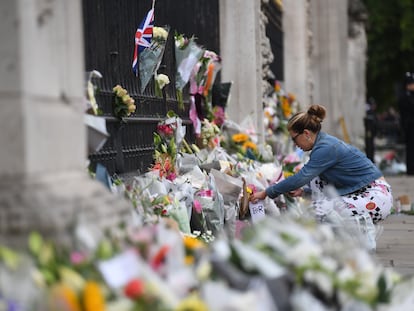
[277, 86]
[291, 97]
[286, 108]
[210, 71]
[160, 256]
[93, 299]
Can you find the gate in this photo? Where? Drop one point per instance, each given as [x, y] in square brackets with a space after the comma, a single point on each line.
[109, 30]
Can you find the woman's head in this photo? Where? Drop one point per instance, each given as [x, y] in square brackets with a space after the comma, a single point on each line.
[306, 124]
[307, 120]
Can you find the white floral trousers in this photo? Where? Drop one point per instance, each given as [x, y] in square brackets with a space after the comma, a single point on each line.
[374, 199]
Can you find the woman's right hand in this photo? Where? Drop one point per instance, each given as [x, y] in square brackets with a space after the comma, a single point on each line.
[260, 195]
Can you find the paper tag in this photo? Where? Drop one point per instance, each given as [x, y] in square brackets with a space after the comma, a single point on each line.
[120, 269]
[257, 211]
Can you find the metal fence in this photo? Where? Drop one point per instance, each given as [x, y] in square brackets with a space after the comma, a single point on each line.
[109, 30]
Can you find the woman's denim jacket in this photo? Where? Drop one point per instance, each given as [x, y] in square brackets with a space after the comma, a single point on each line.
[341, 165]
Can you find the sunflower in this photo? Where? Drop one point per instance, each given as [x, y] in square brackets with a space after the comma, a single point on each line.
[240, 138]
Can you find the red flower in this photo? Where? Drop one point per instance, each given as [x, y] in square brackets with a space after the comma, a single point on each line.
[165, 130]
[160, 257]
[134, 289]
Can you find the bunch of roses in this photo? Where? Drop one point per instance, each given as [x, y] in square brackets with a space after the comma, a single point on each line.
[124, 105]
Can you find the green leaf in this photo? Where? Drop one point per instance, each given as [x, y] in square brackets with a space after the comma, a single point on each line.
[46, 254]
[35, 243]
[10, 258]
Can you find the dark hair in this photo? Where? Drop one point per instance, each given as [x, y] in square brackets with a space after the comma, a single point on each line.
[307, 120]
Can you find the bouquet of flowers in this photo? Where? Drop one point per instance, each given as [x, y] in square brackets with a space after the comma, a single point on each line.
[151, 57]
[201, 82]
[167, 140]
[291, 164]
[124, 105]
[242, 144]
[187, 54]
[209, 136]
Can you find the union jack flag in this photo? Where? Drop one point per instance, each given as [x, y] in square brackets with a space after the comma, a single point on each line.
[143, 38]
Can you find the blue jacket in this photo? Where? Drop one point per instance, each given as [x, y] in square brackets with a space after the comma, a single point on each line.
[341, 165]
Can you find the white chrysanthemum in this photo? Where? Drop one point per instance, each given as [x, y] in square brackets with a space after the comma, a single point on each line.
[162, 80]
[321, 280]
[303, 253]
[159, 33]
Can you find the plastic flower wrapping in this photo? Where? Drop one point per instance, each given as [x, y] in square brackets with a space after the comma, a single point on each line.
[150, 58]
[187, 54]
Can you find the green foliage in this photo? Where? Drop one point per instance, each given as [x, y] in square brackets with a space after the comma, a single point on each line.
[390, 31]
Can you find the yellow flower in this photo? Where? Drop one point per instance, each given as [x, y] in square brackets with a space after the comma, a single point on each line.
[131, 108]
[93, 299]
[287, 174]
[120, 91]
[192, 243]
[192, 303]
[249, 145]
[240, 137]
[130, 101]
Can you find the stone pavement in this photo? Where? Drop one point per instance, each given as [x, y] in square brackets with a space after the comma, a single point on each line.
[395, 246]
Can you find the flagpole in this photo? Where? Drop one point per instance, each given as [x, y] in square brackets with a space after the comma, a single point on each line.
[153, 4]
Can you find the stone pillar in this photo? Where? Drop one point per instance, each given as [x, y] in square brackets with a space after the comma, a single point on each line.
[241, 58]
[329, 66]
[357, 49]
[296, 49]
[44, 184]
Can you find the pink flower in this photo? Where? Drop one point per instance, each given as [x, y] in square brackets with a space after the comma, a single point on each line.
[206, 193]
[77, 258]
[197, 206]
[171, 176]
[219, 115]
[291, 158]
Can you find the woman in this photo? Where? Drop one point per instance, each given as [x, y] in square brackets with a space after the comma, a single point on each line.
[357, 181]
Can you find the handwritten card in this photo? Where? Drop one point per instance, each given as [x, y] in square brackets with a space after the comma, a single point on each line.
[257, 211]
[119, 270]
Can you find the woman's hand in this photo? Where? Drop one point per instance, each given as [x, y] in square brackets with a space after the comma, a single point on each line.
[296, 193]
[260, 195]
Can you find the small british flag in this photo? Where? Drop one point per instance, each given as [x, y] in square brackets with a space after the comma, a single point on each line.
[143, 38]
